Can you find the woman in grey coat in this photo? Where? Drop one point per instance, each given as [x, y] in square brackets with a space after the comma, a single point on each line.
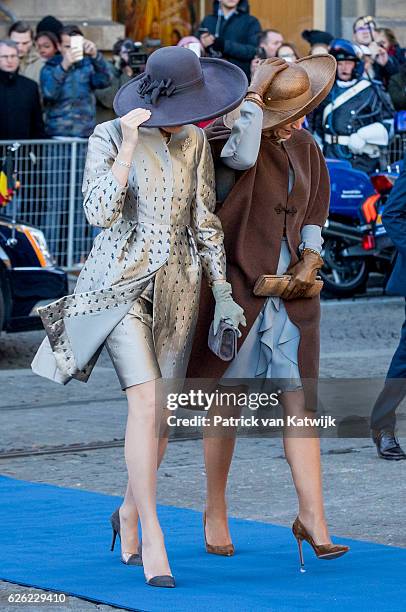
[151, 189]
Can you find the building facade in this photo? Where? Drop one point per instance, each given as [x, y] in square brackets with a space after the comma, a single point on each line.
[106, 20]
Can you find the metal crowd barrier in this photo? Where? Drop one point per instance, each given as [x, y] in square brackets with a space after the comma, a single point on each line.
[397, 148]
[50, 195]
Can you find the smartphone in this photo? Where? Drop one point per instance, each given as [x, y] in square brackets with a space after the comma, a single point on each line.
[76, 45]
[201, 31]
[374, 48]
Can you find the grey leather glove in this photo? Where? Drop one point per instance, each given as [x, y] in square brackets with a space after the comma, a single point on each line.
[226, 309]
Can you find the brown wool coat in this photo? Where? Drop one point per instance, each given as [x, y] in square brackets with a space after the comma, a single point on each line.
[253, 219]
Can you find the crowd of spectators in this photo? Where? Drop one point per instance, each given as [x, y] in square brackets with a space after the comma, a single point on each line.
[20, 108]
[48, 81]
[55, 83]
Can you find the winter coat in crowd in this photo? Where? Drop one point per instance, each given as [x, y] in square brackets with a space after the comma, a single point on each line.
[20, 108]
[398, 53]
[68, 95]
[384, 73]
[397, 89]
[31, 65]
[236, 37]
[105, 96]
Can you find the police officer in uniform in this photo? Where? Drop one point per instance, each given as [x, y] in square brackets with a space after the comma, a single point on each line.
[355, 121]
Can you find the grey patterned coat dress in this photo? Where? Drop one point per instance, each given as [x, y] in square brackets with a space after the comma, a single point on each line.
[160, 226]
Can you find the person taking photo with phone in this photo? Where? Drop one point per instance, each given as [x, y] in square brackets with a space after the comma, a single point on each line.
[365, 32]
[68, 81]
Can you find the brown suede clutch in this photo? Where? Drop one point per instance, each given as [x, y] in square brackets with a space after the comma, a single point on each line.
[268, 285]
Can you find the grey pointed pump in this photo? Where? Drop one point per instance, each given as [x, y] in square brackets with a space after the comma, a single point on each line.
[133, 559]
[167, 582]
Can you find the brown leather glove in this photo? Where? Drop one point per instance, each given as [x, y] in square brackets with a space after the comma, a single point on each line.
[304, 274]
[264, 75]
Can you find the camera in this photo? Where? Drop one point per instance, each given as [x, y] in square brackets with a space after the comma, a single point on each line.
[137, 59]
[261, 53]
[131, 54]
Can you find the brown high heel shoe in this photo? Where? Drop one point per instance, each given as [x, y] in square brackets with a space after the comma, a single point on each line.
[226, 551]
[323, 551]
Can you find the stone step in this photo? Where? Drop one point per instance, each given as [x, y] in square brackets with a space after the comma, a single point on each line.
[71, 11]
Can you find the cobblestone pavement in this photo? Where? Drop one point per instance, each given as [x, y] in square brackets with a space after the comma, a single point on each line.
[358, 339]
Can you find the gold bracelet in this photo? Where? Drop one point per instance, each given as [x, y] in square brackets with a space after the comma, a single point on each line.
[259, 103]
[311, 251]
[321, 260]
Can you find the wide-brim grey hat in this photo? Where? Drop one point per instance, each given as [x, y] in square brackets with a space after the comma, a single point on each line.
[179, 88]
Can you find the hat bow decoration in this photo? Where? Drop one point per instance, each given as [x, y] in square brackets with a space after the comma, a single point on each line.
[151, 90]
[181, 88]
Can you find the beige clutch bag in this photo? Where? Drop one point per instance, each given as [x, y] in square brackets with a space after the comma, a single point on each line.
[274, 285]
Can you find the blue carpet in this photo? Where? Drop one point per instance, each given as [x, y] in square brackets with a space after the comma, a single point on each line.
[58, 539]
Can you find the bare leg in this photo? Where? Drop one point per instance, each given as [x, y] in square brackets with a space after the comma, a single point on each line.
[303, 456]
[219, 444]
[141, 451]
[218, 454]
[129, 514]
[129, 525]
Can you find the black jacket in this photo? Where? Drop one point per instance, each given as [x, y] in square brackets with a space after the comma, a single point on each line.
[368, 106]
[394, 220]
[384, 73]
[20, 108]
[236, 37]
[397, 89]
[371, 105]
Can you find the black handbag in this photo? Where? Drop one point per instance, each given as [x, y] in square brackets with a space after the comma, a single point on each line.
[224, 342]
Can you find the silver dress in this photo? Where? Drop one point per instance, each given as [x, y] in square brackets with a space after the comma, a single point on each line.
[131, 343]
[271, 348]
[159, 228]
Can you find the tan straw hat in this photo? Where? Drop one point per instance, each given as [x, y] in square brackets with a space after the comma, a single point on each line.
[295, 91]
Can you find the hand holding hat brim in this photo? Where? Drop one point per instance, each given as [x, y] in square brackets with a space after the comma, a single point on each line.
[265, 74]
[321, 72]
[180, 88]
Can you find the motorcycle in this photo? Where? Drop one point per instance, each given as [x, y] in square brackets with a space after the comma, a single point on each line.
[29, 277]
[355, 241]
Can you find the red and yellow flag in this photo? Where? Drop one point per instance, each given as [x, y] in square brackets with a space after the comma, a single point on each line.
[6, 191]
[8, 182]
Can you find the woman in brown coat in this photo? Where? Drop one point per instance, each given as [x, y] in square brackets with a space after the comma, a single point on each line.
[272, 220]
